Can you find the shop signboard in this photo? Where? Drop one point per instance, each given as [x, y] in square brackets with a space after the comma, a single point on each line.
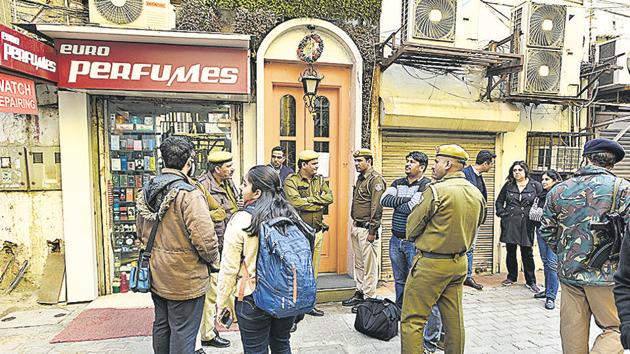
[152, 67]
[17, 95]
[26, 55]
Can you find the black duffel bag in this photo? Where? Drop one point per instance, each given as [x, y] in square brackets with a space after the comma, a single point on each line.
[378, 318]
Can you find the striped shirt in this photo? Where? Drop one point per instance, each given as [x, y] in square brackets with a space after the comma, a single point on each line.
[403, 197]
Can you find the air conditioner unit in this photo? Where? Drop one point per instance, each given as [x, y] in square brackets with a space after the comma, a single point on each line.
[450, 23]
[551, 40]
[559, 158]
[144, 14]
[609, 49]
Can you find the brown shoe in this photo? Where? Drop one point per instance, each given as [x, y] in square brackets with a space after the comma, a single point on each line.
[473, 284]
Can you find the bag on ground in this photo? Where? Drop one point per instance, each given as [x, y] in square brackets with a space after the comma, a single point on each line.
[378, 319]
[285, 283]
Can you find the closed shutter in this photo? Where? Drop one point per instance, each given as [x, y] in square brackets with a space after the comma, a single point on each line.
[396, 145]
[622, 169]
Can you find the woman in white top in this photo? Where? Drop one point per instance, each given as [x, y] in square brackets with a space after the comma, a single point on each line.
[263, 200]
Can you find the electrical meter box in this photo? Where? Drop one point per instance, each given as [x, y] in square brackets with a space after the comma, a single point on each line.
[13, 175]
[44, 168]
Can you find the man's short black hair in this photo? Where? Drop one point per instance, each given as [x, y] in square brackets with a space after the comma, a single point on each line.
[281, 149]
[485, 156]
[421, 157]
[176, 150]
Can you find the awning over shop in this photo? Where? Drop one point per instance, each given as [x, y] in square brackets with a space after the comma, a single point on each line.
[409, 113]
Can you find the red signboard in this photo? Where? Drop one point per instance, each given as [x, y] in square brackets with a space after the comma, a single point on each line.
[152, 67]
[27, 55]
[17, 95]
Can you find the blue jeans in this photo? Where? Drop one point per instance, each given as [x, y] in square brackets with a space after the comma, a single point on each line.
[469, 255]
[261, 332]
[401, 254]
[550, 265]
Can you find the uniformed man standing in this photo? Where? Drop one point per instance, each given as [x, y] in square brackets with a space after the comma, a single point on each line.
[366, 214]
[442, 226]
[309, 193]
[217, 181]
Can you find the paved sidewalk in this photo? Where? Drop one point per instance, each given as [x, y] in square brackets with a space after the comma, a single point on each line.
[498, 320]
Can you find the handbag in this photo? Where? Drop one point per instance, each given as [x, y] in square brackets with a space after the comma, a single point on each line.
[140, 278]
[535, 212]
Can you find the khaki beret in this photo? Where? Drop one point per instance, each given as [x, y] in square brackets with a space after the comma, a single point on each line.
[363, 153]
[217, 157]
[453, 151]
[308, 155]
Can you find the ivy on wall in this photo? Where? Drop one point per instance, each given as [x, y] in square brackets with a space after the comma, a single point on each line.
[358, 18]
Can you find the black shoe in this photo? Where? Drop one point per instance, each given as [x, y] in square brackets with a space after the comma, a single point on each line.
[356, 299]
[316, 312]
[355, 309]
[293, 328]
[473, 284]
[200, 351]
[216, 342]
[540, 295]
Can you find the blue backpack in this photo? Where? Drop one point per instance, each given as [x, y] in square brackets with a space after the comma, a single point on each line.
[285, 283]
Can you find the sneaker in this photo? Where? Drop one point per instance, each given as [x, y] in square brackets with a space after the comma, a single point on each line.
[533, 288]
[550, 304]
[540, 295]
[507, 282]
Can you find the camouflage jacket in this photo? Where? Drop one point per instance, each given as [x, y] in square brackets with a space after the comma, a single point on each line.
[566, 224]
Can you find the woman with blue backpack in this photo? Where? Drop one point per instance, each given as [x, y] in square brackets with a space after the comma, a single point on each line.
[266, 276]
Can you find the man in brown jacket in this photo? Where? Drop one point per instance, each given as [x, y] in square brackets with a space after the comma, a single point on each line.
[185, 246]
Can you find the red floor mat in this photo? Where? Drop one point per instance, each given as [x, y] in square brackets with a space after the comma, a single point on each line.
[99, 324]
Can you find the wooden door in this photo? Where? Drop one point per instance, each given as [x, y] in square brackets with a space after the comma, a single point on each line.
[288, 123]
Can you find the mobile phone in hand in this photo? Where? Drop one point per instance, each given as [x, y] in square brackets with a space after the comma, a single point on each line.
[226, 318]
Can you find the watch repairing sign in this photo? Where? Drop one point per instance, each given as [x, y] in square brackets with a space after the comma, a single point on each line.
[152, 67]
[17, 95]
[27, 55]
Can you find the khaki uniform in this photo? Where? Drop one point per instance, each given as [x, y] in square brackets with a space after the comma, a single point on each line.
[218, 216]
[442, 226]
[226, 195]
[366, 212]
[310, 197]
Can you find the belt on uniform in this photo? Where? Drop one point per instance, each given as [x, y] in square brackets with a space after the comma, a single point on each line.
[434, 255]
[362, 224]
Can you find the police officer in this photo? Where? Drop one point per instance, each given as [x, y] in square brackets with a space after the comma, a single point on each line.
[366, 213]
[217, 182]
[570, 209]
[442, 226]
[309, 193]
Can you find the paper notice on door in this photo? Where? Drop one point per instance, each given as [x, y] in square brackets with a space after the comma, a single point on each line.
[324, 164]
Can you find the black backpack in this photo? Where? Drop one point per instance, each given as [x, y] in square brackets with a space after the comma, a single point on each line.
[378, 319]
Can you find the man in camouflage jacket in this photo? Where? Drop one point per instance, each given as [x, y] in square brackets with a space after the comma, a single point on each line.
[566, 226]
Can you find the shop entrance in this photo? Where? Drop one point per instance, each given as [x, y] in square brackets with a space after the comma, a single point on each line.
[289, 124]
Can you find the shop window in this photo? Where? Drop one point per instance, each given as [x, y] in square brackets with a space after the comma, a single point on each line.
[558, 151]
[287, 115]
[137, 127]
[322, 117]
[38, 157]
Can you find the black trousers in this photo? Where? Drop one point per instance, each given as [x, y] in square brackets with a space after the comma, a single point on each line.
[176, 324]
[527, 257]
[261, 332]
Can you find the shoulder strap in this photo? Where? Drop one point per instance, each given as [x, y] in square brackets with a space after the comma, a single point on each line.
[614, 207]
[152, 237]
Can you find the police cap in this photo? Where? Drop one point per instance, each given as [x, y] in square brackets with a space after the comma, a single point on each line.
[604, 145]
[452, 151]
[219, 157]
[308, 155]
[363, 153]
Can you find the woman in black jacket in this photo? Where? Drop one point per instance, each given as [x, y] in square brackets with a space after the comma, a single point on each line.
[512, 205]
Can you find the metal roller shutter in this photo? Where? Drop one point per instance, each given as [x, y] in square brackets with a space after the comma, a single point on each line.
[396, 145]
[622, 169]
